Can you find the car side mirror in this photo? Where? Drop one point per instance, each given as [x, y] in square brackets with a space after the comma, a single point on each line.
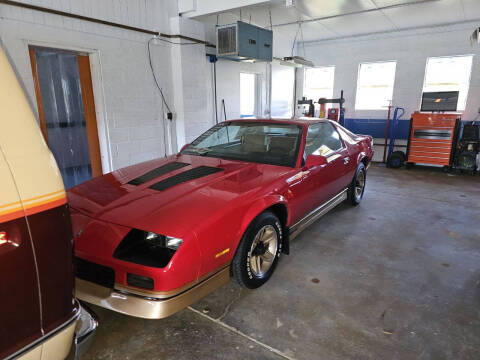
[183, 147]
[315, 160]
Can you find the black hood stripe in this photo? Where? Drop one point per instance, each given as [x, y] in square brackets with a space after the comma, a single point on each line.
[162, 170]
[185, 176]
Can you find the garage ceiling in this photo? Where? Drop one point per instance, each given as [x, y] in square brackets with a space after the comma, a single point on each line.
[329, 19]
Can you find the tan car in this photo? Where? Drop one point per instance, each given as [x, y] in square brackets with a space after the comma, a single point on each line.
[39, 316]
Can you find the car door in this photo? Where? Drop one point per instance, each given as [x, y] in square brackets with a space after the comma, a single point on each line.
[19, 288]
[314, 186]
[350, 153]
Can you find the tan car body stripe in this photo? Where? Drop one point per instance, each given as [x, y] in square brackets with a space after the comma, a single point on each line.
[32, 206]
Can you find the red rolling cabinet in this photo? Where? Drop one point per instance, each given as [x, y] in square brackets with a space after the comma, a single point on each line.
[432, 138]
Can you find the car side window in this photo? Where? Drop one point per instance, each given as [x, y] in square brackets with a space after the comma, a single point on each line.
[322, 139]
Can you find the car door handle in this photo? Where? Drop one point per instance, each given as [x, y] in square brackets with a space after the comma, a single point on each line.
[346, 160]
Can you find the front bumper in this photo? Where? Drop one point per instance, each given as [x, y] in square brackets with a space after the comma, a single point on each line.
[148, 305]
[85, 328]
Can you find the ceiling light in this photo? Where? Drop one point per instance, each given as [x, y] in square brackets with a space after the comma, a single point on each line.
[475, 37]
[289, 63]
[297, 61]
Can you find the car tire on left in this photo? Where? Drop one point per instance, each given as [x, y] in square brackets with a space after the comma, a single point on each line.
[357, 186]
[258, 252]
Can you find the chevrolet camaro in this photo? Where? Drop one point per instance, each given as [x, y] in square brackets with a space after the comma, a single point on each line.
[152, 238]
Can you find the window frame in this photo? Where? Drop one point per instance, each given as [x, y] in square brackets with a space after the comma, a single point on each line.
[291, 101]
[319, 67]
[257, 94]
[358, 83]
[469, 78]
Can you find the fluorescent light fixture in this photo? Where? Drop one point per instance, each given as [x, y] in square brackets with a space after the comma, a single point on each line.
[475, 37]
[297, 61]
[289, 63]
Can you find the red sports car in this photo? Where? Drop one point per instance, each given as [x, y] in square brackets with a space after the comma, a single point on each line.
[153, 238]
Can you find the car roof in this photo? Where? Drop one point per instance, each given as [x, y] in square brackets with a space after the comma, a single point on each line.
[303, 121]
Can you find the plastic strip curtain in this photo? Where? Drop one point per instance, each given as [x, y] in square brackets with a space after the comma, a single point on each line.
[64, 114]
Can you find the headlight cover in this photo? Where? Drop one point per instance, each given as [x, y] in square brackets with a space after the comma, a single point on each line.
[147, 248]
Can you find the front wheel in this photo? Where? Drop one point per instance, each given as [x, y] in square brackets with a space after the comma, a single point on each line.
[258, 252]
[357, 187]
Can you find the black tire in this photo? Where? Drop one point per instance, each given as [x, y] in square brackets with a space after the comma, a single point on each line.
[242, 269]
[396, 159]
[355, 196]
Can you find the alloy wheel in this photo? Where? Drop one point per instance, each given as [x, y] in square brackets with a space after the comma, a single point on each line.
[359, 184]
[263, 250]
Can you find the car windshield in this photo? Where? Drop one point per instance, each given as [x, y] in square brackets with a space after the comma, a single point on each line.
[267, 143]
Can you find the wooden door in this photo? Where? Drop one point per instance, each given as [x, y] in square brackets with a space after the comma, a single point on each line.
[90, 114]
[66, 108]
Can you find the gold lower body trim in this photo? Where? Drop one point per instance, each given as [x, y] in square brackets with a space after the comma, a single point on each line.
[314, 215]
[146, 306]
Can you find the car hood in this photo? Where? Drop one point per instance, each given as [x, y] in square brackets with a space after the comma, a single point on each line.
[122, 197]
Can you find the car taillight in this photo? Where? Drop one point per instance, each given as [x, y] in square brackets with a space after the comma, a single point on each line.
[3, 238]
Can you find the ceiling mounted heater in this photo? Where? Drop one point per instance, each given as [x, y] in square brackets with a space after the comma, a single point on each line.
[244, 42]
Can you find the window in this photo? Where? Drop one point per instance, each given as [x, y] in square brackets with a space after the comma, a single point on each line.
[322, 139]
[283, 80]
[375, 85]
[449, 74]
[247, 94]
[318, 82]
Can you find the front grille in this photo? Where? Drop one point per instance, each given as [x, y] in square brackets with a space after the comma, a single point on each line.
[96, 273]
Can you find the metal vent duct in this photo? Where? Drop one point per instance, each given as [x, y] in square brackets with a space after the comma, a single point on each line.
[227, 40]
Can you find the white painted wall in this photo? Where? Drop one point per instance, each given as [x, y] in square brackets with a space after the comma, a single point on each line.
[228, 87]
[190, 8]
[410, 49]
[131, 116]
[228, 74]
[193, 82]
[129, 111]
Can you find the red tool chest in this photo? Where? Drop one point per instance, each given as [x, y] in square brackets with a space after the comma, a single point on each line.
[432, 138]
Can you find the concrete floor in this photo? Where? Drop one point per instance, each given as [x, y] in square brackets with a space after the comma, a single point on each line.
[396, 278]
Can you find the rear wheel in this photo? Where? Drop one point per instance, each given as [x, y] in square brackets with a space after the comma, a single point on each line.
[258, 252]
[396, 159]
[357, 187]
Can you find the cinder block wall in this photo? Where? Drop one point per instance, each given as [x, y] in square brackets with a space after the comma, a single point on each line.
[410, 48]
[130, 114]
[129, 110]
